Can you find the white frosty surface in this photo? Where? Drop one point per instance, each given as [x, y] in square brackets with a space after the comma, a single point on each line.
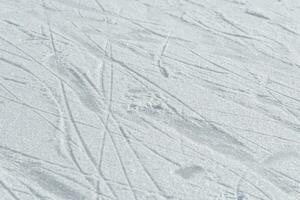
[149, 99]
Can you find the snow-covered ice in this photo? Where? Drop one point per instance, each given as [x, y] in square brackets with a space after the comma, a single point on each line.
[149, 99]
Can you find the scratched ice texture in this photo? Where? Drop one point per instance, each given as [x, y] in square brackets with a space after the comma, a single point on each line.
[149, 100]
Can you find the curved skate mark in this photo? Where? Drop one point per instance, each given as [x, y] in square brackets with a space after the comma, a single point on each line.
[161, 68]
[45, 89]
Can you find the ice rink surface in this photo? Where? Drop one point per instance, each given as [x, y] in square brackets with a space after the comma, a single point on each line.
[149, 100]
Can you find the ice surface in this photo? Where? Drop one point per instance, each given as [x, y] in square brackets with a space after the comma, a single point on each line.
[149, 100]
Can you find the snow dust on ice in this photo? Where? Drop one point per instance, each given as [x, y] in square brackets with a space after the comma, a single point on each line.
[149, 99]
